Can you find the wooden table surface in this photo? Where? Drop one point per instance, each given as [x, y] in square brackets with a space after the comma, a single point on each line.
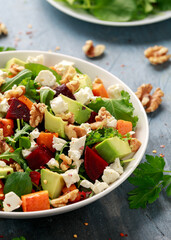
[110, 216]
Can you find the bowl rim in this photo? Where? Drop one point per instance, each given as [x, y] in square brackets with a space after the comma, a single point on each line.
[71, 207]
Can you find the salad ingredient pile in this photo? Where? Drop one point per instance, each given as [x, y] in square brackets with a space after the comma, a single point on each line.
[62, 137]
[120, 10]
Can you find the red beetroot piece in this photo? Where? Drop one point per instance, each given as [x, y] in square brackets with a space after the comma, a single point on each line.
[92, 117]
[19, 110]
[94, 164]
[65, 91]
[39, 157]
[35, 177]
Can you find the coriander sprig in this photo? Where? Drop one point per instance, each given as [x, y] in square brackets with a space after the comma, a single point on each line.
[149, 180]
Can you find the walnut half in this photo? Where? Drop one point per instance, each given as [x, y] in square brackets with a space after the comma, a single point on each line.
[157, 54]
[92, 51]
[36, 114]
[150, 102]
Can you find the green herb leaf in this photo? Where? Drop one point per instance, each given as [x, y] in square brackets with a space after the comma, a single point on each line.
[3, 49]
[16, 156]
[25, 142]
[19, 238]
[149, 181]
[10, 82]
[18, 182]
[36, 68]
[120, 108]
[46, 95]
[31, 87]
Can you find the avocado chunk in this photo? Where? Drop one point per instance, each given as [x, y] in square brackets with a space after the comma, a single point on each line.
[80, 111]
[84, 81]
[112, 148]
[52, 182]
[14, 61]
[55, 124]
[5, 171]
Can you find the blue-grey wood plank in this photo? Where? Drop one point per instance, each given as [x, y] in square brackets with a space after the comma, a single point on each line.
[111, 215]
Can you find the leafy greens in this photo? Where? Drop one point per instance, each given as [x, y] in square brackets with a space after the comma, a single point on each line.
[149, 180]
[120, 108]
[120, 10]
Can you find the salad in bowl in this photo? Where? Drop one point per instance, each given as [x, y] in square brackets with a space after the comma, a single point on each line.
[64, 138]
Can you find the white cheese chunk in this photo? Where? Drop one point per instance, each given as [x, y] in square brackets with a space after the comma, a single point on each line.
[34, 134]
[58, 143]
[4, 106]
[58, 105]
[111, 122]
[63, 66]
[84, 95]
[86, 184]
[2, 164]
[47, 88]
[99, 186]
[110, 175]
[76, 148]
[117, 166]
[86, 126]
[46, 78]
[38, 59]
[114, 91]
[3, 75]
[53, 163]
[70, 177]
[11, 202]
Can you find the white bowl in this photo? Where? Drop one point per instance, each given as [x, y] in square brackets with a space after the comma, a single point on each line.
[142, 131]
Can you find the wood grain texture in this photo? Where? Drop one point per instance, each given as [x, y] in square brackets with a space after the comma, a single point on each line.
[111, 215]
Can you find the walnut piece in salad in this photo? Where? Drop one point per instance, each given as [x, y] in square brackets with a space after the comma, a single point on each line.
[64, 138]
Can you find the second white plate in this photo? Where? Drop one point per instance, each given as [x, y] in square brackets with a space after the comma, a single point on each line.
[82, 15]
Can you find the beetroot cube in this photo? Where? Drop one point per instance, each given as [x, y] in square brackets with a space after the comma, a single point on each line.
[65, 91]
[92, 117]
[19, 110]
[39, 157]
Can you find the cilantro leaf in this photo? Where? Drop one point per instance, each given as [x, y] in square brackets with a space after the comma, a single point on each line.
[31, 87]
[120, 108]
[149, 180]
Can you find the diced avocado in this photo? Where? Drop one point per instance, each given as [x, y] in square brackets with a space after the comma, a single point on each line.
[52, 182]
[112, 148]
[55, 124]
[81, 112]
[5, 171]
[84, 80]
[14, 61]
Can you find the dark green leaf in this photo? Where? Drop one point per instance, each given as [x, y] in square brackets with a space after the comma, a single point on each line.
[36, 68]
[25, 142]
[2, 49]
[10, 82]
[31, 87]
[119, 108]
[168, 190]
[46, 95]
[18, 182]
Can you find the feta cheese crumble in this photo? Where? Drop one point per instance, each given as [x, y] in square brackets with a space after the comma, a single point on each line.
[53, 163]
[58, 143]
[46, 78]
[58, 105]
[76, 148]
[111, 122]
[99, 186]
[114, 91]
[86, 126]
[110, 175]
[3, 75]
[70, 177]
[2, 164]
[62, 66]
[117, 166]
[34, 134]
[11, 202]
[4, 106]
[84, 95]
[38, 59]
